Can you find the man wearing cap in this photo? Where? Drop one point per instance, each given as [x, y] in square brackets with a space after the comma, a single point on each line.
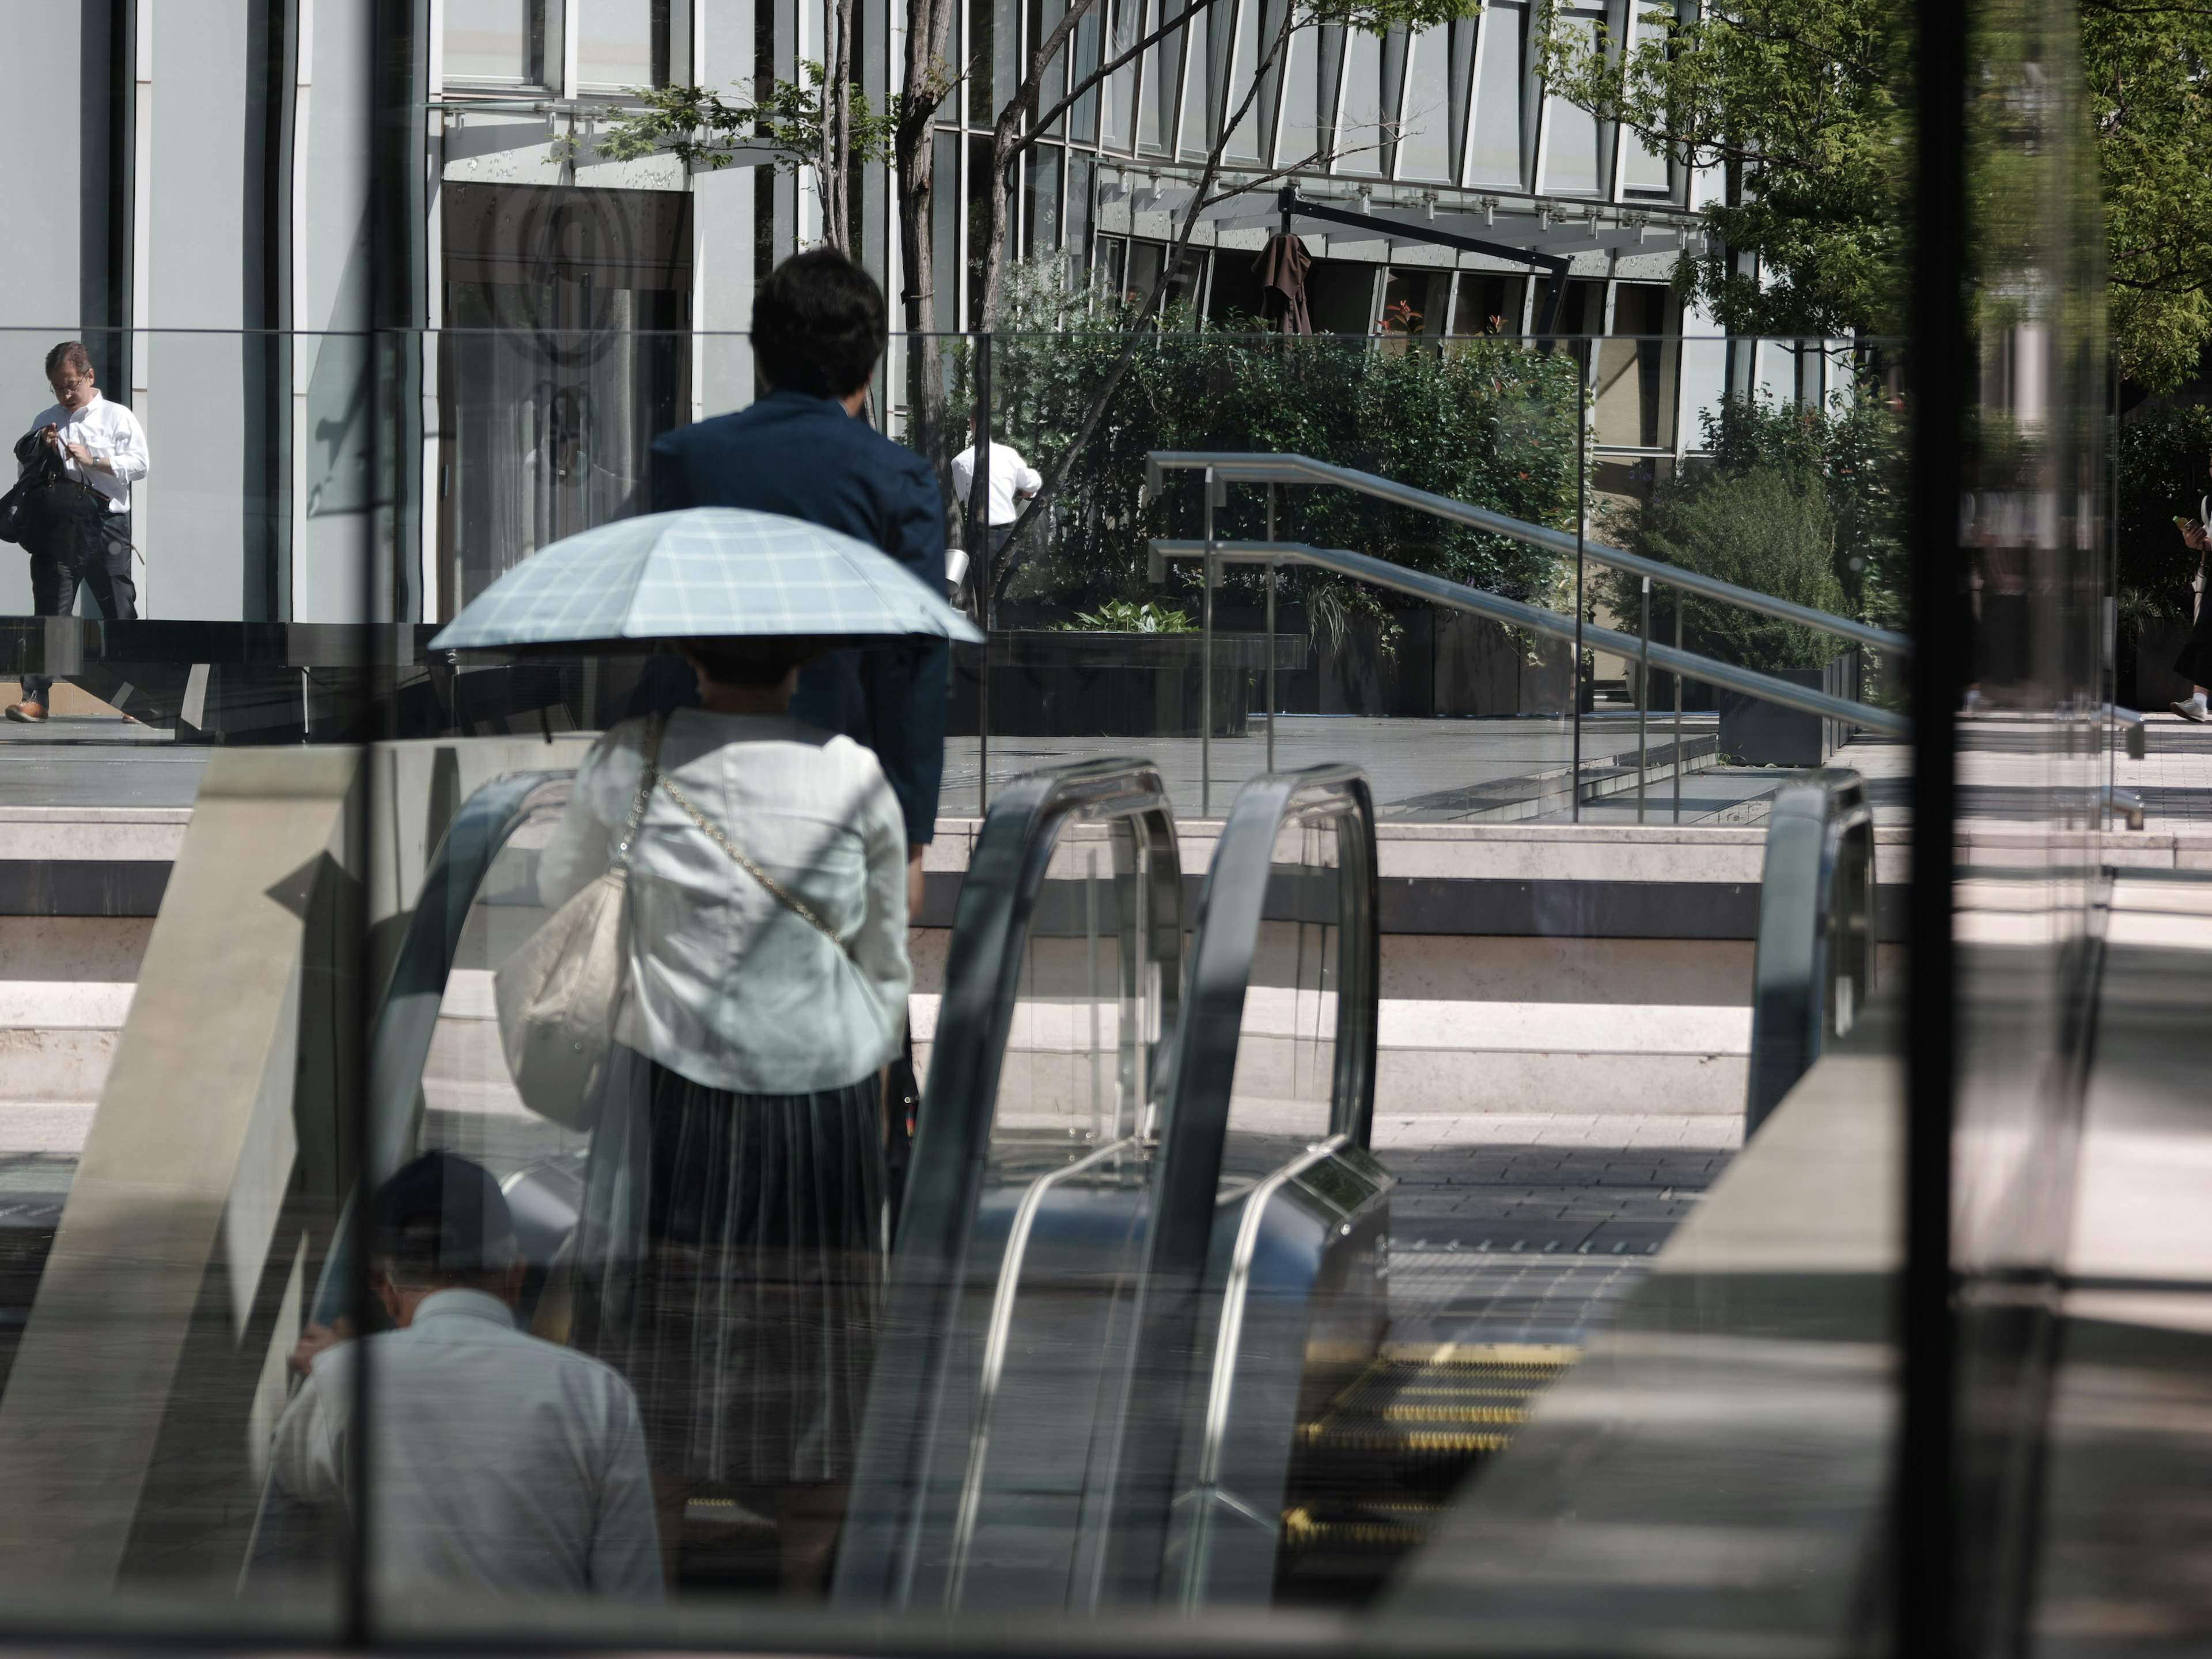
[503, 1465]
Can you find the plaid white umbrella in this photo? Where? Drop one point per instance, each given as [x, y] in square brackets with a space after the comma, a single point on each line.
[705, 571]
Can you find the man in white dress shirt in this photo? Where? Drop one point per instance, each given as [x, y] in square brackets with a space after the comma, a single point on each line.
[1011, 481]
[501, 1466]
[87, 534]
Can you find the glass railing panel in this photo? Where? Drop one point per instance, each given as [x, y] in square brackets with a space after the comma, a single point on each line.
[992, 1435]
[1058, 1234]
[1286, 1055]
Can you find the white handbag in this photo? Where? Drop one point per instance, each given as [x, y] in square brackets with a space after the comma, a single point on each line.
[560, 997]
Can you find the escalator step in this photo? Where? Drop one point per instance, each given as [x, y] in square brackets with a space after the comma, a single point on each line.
[1378, 1462]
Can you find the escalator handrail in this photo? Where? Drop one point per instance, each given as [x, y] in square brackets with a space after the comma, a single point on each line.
[878, 1554]
[414, 989]
[407, 1019]
[1820, 846]
[1186, 1183]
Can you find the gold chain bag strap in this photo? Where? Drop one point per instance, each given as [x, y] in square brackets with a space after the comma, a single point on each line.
[560, 996]
[776, 889]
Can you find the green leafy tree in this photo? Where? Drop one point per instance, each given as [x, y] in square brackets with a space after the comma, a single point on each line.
[702, 129]
[1769, 529]
[1798, 502]
[1794, 100]
[2146, 65]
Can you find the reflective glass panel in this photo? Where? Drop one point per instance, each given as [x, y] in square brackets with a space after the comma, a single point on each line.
[1494, 150]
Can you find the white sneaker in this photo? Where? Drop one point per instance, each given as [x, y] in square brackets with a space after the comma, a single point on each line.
[2191, 708]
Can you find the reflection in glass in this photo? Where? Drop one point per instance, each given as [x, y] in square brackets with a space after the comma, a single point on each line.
[621, 43]
[1244, 141]
[1643, 169]
[1286, 1073]
[1122, 85]
[494, 42]
[1360, 119]
[1301, 97]
[1040, 223]
[1198, 110]
[1494, 150]
[1425, 135]
[1570, 139]
[1155, 97]
[559, 366]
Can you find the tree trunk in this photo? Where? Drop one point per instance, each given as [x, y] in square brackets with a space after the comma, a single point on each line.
[929, 24]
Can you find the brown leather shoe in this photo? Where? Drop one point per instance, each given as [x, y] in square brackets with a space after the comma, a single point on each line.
[28, 713]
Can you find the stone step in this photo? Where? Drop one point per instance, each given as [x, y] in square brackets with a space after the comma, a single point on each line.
[57, 1037]
[1442, 1058]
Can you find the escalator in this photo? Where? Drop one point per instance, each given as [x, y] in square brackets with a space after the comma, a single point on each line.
[1143, 1243]
[1133, 1350]
[1112, 1305]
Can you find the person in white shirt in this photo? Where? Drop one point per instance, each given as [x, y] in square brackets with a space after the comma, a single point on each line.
[499, 1465]
[88, 535]
[729, 1260]
[1011, 482]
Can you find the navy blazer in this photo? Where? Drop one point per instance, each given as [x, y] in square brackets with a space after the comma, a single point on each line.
[805, 457]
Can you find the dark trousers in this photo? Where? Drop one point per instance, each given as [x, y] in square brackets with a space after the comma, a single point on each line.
[102, 564]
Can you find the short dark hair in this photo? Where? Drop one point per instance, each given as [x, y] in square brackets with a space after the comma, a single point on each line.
[752, 660]
[71, 353]
[819, 325]
[442, 1219]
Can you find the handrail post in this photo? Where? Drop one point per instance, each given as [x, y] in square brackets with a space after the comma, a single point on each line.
[1575, 674]
[1678, 712]
[1206, 667]
[1270, 632]
[1643, 699]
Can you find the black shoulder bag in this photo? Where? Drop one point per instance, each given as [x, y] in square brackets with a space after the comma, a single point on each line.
[24, 509]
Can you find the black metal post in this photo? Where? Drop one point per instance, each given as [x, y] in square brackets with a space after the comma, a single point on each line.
[1678, 600]
[980, 562]
[1642, 697]
[1924, 1541]
[1272, 491]
[1575, 678]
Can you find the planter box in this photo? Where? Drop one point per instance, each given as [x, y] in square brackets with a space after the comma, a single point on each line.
[1085, 684]
[1762, 733]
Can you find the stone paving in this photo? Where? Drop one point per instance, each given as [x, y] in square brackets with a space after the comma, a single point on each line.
[1535, 1227]
[1414, 765]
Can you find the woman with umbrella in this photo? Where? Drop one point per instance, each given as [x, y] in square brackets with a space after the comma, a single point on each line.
[729, 1260]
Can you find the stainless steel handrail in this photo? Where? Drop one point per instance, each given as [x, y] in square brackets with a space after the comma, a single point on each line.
[1458, 596]
[1238, 468]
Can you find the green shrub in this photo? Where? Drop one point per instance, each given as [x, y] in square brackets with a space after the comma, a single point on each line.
[1119, 617]
[1485, 420]
[1769, 529]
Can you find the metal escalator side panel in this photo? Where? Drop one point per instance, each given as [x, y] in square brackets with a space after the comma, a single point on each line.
[1174, 1364]
[1303, 1310]
[996, 1337]
[932, 1284]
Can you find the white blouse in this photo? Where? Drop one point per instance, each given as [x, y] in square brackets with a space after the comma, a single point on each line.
[734, 988]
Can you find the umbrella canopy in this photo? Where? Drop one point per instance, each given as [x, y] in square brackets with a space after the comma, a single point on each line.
[705, 571]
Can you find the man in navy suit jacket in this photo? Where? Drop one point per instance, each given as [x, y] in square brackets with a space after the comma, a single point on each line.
[818, 328]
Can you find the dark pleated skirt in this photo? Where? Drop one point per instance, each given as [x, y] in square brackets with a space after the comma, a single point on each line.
[730, 1264]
